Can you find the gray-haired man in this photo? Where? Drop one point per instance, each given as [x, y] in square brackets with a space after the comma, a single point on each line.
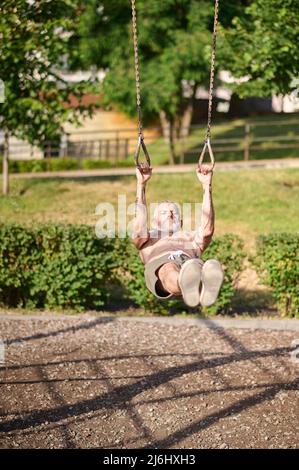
[172, 256]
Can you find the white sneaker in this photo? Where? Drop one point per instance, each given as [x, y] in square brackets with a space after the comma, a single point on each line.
[211, 278]
[189, 281]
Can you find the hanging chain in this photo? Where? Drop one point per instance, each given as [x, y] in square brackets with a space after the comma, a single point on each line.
[141, 144]
[207, 144]
[212, 76]
[135, 37]
[212, 73]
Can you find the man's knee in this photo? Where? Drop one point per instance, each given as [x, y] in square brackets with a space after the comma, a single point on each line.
[168, 275]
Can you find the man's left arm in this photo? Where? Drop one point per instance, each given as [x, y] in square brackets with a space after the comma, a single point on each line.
[204, 233]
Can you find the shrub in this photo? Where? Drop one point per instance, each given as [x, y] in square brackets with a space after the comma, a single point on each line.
[19, 258]
[27, 166]
[277, 262]
[63, 164]
[54, 266]
[75, 267]
[94, 163]
[229, 250]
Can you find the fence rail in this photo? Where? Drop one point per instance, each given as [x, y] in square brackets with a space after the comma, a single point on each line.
[118, 145]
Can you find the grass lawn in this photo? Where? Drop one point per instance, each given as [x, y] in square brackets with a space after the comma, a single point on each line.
[246, 202]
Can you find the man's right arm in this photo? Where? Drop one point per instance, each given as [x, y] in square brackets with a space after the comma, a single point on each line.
[140, 231]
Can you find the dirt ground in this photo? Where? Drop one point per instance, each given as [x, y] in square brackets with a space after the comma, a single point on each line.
[83, 382]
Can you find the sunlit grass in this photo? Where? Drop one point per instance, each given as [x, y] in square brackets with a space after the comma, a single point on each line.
[246, 202]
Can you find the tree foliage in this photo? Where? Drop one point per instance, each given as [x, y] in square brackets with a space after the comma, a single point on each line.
[175, 40]
[174, 47]
[34, 39]
[262, 45]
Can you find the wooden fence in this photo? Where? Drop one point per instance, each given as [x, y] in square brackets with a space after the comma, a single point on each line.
[243, 140]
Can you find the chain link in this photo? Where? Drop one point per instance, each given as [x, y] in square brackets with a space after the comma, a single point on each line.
[212, 73]
[135, 37]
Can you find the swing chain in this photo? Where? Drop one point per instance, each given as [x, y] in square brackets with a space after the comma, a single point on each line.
[212, 73]
[210, 96]
[207, 142]
[141, 144]
[135, 38]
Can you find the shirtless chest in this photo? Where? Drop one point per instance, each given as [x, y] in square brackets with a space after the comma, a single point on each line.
[156, 247]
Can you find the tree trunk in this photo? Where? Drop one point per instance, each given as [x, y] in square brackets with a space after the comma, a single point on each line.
[165, 126]
[175, 129]
[5, 169]
[188, 114]
[172, 139]
[186, 121]
[282, 103]
[168, 130]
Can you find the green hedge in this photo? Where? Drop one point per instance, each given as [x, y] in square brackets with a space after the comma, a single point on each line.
[277, 262]
[62, 164]
[66, 266]
[54, 266]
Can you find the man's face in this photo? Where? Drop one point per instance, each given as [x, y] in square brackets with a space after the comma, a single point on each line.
[168, 217]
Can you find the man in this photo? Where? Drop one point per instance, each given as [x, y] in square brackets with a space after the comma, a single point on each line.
[171, 256]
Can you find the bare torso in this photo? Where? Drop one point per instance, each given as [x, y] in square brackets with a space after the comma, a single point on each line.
[155, 246]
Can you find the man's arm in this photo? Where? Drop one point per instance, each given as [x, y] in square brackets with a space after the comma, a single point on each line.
[205, 231]
[140, 232]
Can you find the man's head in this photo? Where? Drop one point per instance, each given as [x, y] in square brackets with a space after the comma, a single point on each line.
[167, 217]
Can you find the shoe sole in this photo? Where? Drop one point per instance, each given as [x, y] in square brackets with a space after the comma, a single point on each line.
[211, 278]
[189, 282]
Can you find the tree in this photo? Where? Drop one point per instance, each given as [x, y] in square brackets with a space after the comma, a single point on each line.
[174, 46]
[34, 38]
[262, 45]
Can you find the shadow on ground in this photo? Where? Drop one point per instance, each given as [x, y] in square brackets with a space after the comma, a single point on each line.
[143, 376]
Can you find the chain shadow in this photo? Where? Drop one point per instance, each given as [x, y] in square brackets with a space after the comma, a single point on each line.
[73, 329]
[104, 358]
[235, 408]
[118, 396]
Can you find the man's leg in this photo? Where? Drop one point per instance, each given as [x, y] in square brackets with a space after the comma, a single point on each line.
[168, 275]
[181, 280]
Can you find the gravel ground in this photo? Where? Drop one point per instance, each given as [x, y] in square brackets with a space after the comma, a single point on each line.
[83, 382]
